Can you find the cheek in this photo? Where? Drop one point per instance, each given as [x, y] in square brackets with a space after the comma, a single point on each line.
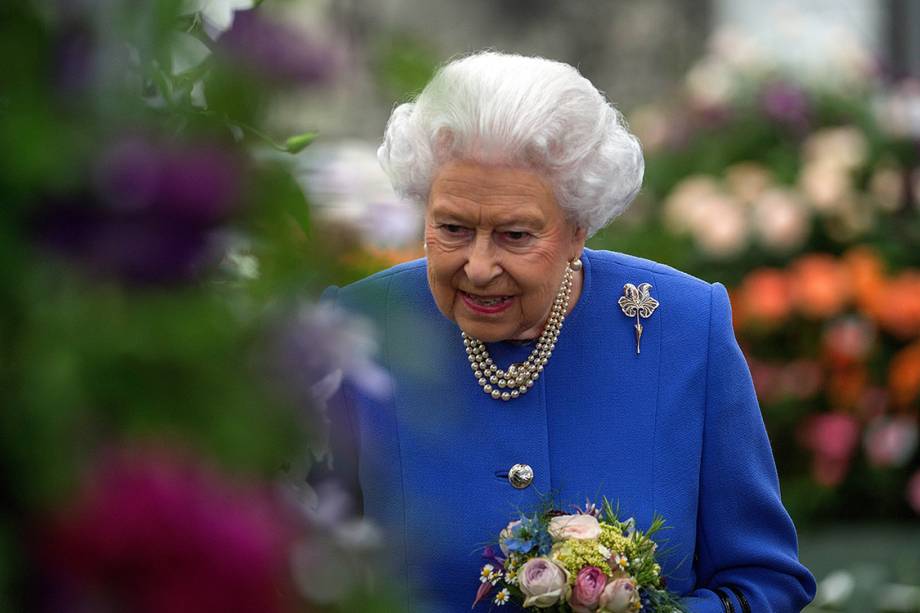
[441, 272]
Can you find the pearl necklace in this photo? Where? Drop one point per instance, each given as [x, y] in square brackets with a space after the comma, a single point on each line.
[513, 383]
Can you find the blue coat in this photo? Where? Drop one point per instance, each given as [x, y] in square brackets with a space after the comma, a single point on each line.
[674, 430]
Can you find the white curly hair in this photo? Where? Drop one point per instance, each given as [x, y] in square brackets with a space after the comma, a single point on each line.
[497, 108]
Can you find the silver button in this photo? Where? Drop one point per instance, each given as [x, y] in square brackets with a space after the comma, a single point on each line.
[520, 476]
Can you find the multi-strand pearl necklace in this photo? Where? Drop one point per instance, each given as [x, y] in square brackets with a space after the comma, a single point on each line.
[514, 382]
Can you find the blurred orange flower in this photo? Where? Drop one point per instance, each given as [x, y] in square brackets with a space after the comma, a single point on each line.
[898, 308]
[819, 285]
[764, 296]
[866, 271]
[904, 375]
[893, 303]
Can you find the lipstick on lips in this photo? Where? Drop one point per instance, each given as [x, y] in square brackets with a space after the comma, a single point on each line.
[486, 305]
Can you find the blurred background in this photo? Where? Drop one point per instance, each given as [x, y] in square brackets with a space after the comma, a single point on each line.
[180, 179]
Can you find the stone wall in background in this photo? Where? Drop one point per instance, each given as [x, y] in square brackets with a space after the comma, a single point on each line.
[636, 52]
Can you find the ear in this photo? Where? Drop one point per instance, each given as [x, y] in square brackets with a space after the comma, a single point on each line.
[578, 241]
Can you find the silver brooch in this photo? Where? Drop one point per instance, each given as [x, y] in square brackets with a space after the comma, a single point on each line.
[636, 302]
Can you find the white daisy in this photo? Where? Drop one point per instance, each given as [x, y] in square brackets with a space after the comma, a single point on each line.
[502, 597]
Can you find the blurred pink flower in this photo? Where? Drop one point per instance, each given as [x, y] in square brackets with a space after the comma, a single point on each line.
[721, 226]
[891, 441]
[825, 184]
[152, 530]
[801, 378]
[781, 221]
[848, 340]
[832, 437]
[684, 205]
[913, 492]
[765, 376]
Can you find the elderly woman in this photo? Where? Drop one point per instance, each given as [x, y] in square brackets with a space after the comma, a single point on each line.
[642, 396]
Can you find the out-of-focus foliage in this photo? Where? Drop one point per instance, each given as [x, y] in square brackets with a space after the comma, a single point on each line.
[163, 371]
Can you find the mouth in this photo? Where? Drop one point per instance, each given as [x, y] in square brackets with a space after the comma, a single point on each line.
[486, 304]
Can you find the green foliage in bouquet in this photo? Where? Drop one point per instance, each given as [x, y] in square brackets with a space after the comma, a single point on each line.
[590, 560]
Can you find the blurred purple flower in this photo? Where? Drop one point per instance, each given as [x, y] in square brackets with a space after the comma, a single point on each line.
[194, 183]
[151, 217]
[136, 249]
[154, 530]
[785, 103]
[319, 347]
[274, 52]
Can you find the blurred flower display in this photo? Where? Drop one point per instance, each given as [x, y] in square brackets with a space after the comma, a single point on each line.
[354, 201]
[798, 191]
[151, 530]
[150, 246]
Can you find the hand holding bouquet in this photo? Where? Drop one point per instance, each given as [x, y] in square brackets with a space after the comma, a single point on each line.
[586, 562]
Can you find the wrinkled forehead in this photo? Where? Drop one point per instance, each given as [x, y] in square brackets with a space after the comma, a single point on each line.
[497, 191]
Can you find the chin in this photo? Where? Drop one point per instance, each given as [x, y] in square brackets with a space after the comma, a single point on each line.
[484, 332]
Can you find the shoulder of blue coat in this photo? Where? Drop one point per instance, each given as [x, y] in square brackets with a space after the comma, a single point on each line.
[687, 300]
[602, 258]
[371, 292]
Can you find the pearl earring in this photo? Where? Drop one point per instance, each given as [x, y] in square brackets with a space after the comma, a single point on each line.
[575, 264]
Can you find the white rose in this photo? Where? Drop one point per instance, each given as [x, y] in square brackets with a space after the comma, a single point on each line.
[578, 527]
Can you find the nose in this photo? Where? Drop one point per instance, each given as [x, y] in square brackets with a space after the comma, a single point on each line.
[482, 267]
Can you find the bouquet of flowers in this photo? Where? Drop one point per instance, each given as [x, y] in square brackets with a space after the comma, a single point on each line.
[585, 562]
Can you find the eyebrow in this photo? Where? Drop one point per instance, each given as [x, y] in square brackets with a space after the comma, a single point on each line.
[443, 211]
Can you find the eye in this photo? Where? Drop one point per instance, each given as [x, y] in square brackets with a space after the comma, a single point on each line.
[516, 238]
[453, 231]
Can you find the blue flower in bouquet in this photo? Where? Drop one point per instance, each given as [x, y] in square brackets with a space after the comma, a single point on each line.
[525, 534]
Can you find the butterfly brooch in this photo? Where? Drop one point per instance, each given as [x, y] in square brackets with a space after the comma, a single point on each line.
[636, 302]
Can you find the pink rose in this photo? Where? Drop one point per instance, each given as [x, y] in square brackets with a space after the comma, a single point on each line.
[505, 534]
[542, 582]
[619, 595]
[589, 584]
[578, 527]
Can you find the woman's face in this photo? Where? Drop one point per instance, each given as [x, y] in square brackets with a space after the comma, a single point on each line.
[498, 244]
